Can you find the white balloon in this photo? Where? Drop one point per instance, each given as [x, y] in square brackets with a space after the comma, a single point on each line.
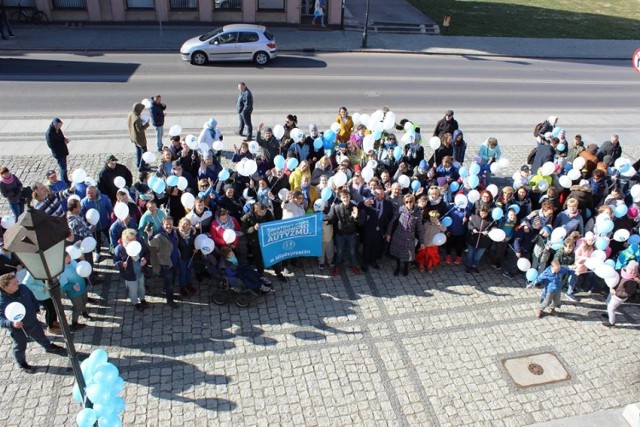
[15, 311]
[473, 196]
[340, 179]
[78, 175]
[134, 248]
[612, 280]
[175, 130]
[119, 181]
[604, 271]
[367, 174]
[364, 119]
[628, 173]
[493, 189]
[207, 246]
[356, 119]
[565, 181]
[368, 142]
[319, 205]
[439, 239]
[543, 185]
[182, 183]
[8, 221]
[93, 216]
[217, 145]
[503, 162]
[146, 102]
[192, 142]
[579, 163]
[408, 138]
[434, 143]
[121, 210]
[389, 123]
[254, 147]
[547, 169]
[88, 181]
[88, 244]
[558, 234]
[408, 126]
[524, 264]
[84, 269]
[620, 162]
[635, 191]
[283, 193]
[199, 241]
[593, 263]
[574, 174]
[494, 168]
[378, 116]
[335, 127]
[229, 236]
[250, 167]
[404, 181]
[278, 131]
[187, 200]
[497, 235]
[149, 157]
[599, 255]
[621, 235]
[461, 201]
[73, 251]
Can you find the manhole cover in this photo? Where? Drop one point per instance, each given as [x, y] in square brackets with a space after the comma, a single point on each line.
[536, 369]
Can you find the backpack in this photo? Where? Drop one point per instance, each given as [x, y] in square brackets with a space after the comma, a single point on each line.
[532, 155]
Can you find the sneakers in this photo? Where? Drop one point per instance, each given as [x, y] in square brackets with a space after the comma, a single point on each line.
[144, 303]
[191, 290]
[54, 331]
[496, 266]
[172, 304]
[448, 259]
[265, 281]
[476, 269]
[96, 257]
[356, 270]
[139, 307]
[320, 266]
[266, 289]
[286, 272]
[572, 297]
[282, 278]
[25, 367]
[553, 312]
[458, 260]
[539, 314]
[56, 349]
[335, 271]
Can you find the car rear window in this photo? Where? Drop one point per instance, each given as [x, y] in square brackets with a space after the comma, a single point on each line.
[268, 35]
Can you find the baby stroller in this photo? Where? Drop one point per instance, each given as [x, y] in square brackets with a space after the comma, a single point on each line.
[241, 286]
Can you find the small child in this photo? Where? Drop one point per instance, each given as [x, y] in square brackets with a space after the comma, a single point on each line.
[500, 250]
[75, 288]
[552, 277]
[241, 275]
[429, 256]
[131, 268]
[541, 249]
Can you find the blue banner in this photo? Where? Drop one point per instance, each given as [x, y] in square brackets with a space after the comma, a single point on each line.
[290, 238]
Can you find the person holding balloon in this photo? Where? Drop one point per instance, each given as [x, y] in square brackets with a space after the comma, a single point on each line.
[130, 257]
[18, 309]
[346, 125]
[489, 153]
[186, 248]
[166, 244]
[552, 278]
[75, 288]
[402, 231]
[499, 250]
[428, 256]
[478, 240]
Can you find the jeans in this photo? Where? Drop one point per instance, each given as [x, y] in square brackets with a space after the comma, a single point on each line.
[62, 165]
[20, 341]
[79, 304]
[50, 314]
[139, 151]
[184, 272]
[244, 118]
[136, 289]
[552, 300]
[473, 255]
[159, 133]
[350, 241]
[16, 208]
[169, 276]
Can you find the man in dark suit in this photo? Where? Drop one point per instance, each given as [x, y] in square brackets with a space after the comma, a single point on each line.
[378, 213]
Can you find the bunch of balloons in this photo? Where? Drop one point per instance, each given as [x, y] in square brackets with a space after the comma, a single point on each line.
[104, 386]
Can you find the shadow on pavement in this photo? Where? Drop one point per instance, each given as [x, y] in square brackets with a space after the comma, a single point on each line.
[65, 71]
[282, 61]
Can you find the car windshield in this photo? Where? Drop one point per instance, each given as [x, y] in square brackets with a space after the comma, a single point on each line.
[210, 34]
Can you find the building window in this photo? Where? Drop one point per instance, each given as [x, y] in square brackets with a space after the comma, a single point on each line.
[69, 4]
[227, 5]
[270, 4]
[140, 4]
[183, 4]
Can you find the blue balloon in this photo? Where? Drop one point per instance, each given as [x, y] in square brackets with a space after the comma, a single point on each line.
[104, 409]
[397, 153]
[464, 172]
[610, 262]
[106, 374]
[568, 166]
[624, 167]
[515, 208]
[454, 186]
[279, 162]
[98, 393]
[606, 227]
[292, 163]
[377, 135]
[415, 185]
[117, 386]
[329, 136]
[473, 181]
[634, 239]
[318, 143]
[99, 357]
[111, 420]
[602, 243]
[77, 396]
[87, 417]
[118, 404]
[159, 187]
[224, 174]
[532, 274]
[497, 214]
[620, 211]
[561, 147]
[326, 194]
[328, 145]
[587, 213]
[446, 221]
[557, 245]
[474, 169]
[556, 131]
[172, 181]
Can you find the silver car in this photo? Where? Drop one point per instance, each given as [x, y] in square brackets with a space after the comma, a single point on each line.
[236, 42]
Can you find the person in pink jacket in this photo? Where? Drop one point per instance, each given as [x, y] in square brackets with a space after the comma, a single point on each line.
[584, 278]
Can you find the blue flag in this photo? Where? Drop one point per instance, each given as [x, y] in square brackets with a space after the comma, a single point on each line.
[291, 238]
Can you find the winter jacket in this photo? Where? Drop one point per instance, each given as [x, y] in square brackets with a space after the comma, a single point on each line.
[25, 297]
[249, 222]
[271, 148]
[104, 207]
[56, 142]
[38, 287]
[584, 195]
[569, 223]
[157, 114]
[545, 153]
[458, 227]
[217, 231]
[53, 204]
[167, 246]
[346, 126]
[136, 128]
[608, 149]
[116, 229]
[186, 245]
[485, 152]
[79, 225]
[443, 126]
[120, 256]
[106, 177]
[553, 280]
[477, 226]
[343, 221]
[404, 228]
[69, 278]
[11, 191]
[459, 147]
[244, 104]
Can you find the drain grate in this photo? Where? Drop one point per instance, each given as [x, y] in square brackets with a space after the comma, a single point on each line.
[536, 369]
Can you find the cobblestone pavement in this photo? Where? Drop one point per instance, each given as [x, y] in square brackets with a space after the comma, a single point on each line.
[425, 350]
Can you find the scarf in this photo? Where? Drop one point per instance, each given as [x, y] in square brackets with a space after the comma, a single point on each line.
[9, 180]
[228, 225]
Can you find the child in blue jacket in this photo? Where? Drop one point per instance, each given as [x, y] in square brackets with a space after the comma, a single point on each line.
[552, 277]
[75, 287]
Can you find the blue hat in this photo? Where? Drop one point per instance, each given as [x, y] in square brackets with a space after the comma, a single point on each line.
[423, 165]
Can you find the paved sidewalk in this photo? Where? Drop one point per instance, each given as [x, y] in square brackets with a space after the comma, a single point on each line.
[147, 37]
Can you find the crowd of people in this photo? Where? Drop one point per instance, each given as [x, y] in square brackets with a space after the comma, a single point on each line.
[567, 220]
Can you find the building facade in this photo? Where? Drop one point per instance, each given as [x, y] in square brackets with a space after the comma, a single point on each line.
[215, 11]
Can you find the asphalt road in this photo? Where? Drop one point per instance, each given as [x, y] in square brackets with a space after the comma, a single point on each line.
[490, 95]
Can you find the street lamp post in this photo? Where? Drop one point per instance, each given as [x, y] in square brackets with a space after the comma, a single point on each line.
[366, 26]
[38, 240]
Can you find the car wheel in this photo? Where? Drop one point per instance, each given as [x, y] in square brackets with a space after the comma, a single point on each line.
[261, 58]
[199, 58]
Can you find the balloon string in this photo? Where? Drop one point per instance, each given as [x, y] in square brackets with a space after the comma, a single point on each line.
[25, 332]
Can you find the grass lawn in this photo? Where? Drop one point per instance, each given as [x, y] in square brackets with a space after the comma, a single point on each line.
[583, 19]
